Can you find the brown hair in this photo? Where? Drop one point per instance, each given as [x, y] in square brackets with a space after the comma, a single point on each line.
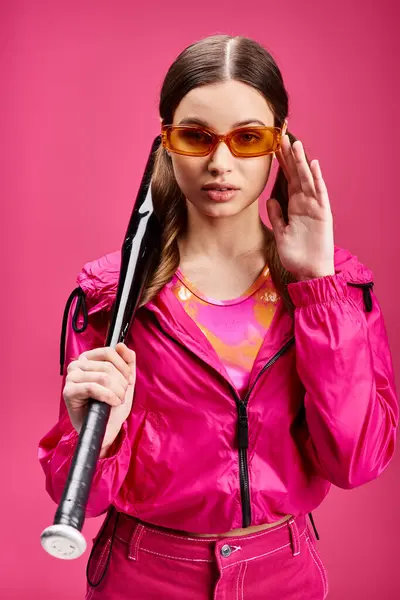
[214, 59]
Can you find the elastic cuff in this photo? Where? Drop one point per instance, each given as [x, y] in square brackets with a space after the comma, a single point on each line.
[116, 447]
[319, 290]
[71, 439]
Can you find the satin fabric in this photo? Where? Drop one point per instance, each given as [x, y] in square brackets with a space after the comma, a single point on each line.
[325, 412]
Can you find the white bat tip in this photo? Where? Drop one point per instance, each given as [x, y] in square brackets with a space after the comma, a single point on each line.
[63, 541]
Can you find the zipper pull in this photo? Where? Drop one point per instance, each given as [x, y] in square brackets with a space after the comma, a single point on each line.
[243, 428]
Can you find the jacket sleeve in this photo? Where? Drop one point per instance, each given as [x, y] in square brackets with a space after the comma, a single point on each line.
[344, 362]
[57, 447]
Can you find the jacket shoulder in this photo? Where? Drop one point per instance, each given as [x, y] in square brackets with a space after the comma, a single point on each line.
[354, 270]
[99, 280]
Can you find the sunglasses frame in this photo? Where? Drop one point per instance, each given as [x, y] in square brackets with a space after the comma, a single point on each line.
[278, 132]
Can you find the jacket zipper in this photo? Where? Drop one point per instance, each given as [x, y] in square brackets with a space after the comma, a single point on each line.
[243, 437]
[243, 431]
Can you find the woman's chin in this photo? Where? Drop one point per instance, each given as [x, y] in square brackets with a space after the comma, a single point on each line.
[218, 209]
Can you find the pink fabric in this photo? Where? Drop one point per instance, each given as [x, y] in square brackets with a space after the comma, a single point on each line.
[282, 562]
[322, 408]
[235, 328]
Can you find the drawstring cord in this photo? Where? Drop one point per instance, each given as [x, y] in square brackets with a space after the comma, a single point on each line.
[366, 288]
[81, 304]
[313, 524]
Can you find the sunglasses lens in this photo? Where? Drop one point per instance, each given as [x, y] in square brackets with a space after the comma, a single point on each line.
[254, 141]
[190, 140]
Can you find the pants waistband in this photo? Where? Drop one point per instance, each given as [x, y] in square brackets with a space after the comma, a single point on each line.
[139, 536]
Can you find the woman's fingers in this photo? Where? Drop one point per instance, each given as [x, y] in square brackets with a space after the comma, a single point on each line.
[303, 170]
[83, 364]
[102, 378]
[319, 183]
[299, 174]
[74, 392]
[126, 353]
[282, 164]
[112, 356]
[288, 157]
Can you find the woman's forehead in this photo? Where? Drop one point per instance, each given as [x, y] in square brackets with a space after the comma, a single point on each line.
[224, 105]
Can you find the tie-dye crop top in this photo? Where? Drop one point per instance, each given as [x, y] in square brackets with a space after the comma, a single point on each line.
[235, 328]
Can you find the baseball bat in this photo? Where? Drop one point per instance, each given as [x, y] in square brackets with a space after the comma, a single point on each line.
[63, 539]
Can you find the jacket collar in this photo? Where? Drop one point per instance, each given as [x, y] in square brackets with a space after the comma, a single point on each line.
[177, 324]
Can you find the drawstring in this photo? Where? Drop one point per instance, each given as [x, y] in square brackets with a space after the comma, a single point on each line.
[313, 524]
[81, 304]
[366, 288]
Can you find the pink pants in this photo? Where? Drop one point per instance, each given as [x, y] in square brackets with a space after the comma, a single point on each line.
[146, 562]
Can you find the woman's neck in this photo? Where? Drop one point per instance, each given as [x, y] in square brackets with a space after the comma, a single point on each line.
[223, 257]
[223, 240]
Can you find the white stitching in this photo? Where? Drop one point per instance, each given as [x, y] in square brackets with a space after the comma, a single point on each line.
[176, 557]
[98, 567]
[90, 593]
[217, 584]
[244, 573]
[260, 555]
[319, 567]
[237, 581]
[242, 586]
[135, 542]
[294, 531]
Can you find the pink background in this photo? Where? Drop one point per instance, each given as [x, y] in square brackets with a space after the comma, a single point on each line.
[78, 113]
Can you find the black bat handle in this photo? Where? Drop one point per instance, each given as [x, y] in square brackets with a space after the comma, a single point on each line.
[63, 539]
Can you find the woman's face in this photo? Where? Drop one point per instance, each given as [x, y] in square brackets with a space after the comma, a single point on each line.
[222, 107]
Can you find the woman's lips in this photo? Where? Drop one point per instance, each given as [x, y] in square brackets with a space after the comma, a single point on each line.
[218, 196]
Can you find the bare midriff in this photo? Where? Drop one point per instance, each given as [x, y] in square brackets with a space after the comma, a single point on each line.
[234, 532]
[243, 531]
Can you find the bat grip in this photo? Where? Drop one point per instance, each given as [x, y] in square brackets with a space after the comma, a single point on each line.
[63, 539]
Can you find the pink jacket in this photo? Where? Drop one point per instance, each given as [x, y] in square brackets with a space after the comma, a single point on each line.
[321, 407]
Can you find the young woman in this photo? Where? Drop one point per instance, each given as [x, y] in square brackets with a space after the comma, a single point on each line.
[257, 372]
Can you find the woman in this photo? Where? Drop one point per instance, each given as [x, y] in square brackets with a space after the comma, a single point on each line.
[257, 372]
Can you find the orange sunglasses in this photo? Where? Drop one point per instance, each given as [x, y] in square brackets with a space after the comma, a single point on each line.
[245, 142]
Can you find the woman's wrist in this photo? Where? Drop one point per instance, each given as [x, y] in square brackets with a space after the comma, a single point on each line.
[107, 443]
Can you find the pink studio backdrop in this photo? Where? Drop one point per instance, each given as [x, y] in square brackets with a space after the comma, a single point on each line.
[78, 111]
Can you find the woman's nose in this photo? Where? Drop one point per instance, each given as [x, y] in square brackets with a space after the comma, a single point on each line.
[221, 159]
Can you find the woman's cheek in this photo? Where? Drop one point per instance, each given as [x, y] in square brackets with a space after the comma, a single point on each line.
[188, 175]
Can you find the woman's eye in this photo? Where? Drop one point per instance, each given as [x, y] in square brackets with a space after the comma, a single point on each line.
[248, 137]
[195, 136]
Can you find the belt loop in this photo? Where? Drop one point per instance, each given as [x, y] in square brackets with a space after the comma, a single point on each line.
[137, 534]
[295, 538]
